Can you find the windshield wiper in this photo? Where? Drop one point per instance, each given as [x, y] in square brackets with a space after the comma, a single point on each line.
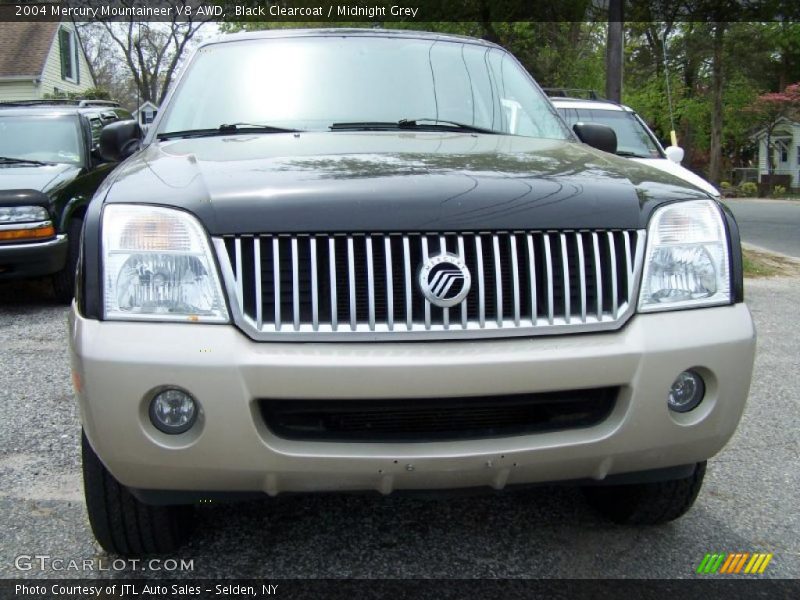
[427, 124]
[225, 129]
[627, 154]
[27, 161]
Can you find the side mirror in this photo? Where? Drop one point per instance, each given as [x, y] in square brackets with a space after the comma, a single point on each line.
[596, 135]
[674, 153]
[119, 140]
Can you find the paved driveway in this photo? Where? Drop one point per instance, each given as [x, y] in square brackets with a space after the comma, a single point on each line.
[770, 224]
[749, 502]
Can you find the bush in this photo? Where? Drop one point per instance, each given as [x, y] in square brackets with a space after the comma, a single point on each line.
[779, 190]
[89, 94]
[748, 188]
[725, 185]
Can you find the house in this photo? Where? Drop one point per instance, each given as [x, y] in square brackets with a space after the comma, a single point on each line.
[785, 142]
[146, 113]
[41, 58]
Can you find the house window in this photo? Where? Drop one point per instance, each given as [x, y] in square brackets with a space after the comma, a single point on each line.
[68, 45]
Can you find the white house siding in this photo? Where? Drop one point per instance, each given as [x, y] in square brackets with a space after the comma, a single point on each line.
[17, 90]
[791, 166]
[51, 76]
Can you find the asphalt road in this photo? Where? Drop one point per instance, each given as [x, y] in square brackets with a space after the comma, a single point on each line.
[770, 224]
[749, 501]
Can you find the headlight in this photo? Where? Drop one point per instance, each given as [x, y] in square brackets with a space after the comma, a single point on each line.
[22, 214]
[686, 264]
[157, 265]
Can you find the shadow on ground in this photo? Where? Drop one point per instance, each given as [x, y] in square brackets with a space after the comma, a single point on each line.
[28, 292]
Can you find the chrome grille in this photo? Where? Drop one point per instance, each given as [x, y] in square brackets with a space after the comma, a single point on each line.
[364, 286]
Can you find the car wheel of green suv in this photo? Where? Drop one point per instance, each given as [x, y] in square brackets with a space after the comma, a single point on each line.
[121, 523]
[647, 503]
[64, 280]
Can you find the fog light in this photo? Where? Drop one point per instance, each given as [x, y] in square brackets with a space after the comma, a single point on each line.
[686, 392]
[173, 411]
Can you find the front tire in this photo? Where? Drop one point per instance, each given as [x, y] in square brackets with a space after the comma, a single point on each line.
[647, 503]
[64, 280]
[122, 524]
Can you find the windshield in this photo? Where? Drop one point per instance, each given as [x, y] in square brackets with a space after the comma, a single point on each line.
[40, 138]
[632, 137]
[310, 83]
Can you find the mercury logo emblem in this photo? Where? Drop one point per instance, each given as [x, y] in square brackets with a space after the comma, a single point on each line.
[445, 280]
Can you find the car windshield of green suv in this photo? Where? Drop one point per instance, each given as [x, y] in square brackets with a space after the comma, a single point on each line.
[40, 139]
[632, 138]
[353, 83]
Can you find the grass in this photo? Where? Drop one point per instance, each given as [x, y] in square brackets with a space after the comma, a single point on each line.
[759, 263]
[754, 267]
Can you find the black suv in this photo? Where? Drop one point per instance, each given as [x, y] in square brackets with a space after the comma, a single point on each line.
[380, 260]
[49, 170]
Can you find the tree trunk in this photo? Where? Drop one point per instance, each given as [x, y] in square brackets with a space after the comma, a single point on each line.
[614, 47]
[715, 157]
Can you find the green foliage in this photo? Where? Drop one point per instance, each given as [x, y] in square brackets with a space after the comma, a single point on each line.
[748, 188]
[725, 185]
[778, 191]
[89, 94]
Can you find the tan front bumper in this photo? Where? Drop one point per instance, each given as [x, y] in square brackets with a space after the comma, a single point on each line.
[229, 449]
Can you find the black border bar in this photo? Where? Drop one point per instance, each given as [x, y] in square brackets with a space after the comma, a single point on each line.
[383, 12]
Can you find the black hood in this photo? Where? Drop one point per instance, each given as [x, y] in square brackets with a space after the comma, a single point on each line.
[42, 178]
[394, 181]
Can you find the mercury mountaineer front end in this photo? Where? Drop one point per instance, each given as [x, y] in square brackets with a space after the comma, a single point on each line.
[296, 293]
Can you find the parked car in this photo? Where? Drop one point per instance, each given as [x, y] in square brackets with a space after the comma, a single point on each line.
[49, 170]
[386, 263]
[635, 140]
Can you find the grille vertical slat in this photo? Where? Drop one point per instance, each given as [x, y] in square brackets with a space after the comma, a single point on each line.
[481, 283]
[427, 302]
[446, 311]
[498, 279]
[332, 283]
[239, 278]
[312, 246]
[351, 280]
[407, 279]
[295, 286]
[257, 272]
[549, 266]
[612, 260]
[598, 275]
[387, 249]
[582, 272]
[565, 275]
[628, 265]
[515, 278]
[370, 284]
[276, 278]
[522, 282]
[463, 257]
[532, 276]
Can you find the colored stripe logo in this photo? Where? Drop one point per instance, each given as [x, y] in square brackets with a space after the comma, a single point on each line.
[734, 563]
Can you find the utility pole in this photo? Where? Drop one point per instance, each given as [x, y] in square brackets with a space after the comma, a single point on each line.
[614, 51]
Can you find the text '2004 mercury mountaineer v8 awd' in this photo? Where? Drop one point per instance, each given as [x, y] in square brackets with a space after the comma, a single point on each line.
[371, 260]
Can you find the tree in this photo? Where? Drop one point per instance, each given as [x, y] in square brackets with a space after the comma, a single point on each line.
[137, 60]
[152, 52]
[715, 151]
[772, 108]
[614, 51]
